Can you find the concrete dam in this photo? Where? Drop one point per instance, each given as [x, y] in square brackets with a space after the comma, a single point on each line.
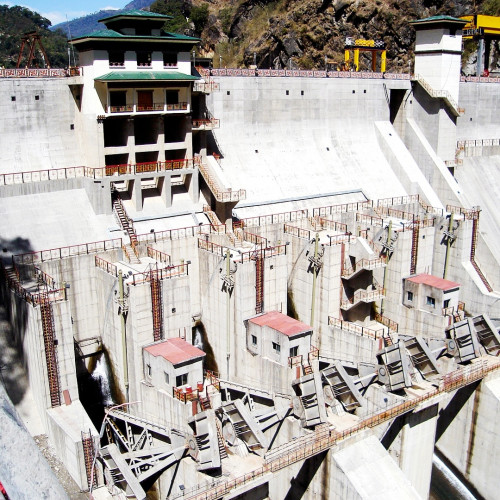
[248, 283]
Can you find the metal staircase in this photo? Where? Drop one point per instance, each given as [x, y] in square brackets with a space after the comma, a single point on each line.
[50, 350]
[475, 224]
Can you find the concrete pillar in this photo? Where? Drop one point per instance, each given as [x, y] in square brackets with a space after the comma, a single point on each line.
[480, 50]
[193, 188]
[414, 447]
[137, 193]
[165, 188]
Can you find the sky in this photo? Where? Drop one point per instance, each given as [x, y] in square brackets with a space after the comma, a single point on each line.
[57, 10]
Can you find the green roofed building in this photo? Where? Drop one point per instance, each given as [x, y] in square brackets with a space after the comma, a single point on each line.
[137, 98]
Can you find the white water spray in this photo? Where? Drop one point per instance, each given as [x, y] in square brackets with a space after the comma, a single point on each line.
[450, 485]
[101, 376]
[198, 339]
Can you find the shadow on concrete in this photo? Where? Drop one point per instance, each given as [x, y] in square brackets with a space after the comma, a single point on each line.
[302, 480]
[457, 402]
[13, 325]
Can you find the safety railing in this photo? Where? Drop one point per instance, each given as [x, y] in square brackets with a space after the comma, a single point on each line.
[185, 393]
[39, 72]
[443, 94]
[181, 233]
[70, 251]
[106, 266]
[213, 378]
[342, 208]
[205, 124]
[254, 238]
[220, 193]
[363, 296]
[161, 274]
[468, 213]
[366, 264]
[94, 173]
[278, 218]
[155, 254]
[300, 73]
[140, 108]
[389, 323]
[480, 79]
[350, 327]
[369, 220]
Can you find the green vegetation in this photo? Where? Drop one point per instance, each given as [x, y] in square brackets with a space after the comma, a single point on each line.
[14, 22]
[491, 7]
[226, 18]
[174, 8]
[199, 16]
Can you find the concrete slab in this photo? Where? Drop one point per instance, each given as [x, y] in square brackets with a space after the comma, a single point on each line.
[52, 220]
[372, 472]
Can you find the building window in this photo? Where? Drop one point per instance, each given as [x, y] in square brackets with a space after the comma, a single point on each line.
[276, 347]
[13, 98]
[181, 380]
[294, 351]
[148, 370]
[446, 303]
[37, 98]
[431, 301]
[144, 59]
[167, 378]
[169, 60]
[118, 101]
[254, 340]
[172, 97]
[116, 59]
[410, 296]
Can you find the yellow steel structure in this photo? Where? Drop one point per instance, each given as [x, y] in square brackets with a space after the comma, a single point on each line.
[479, 25]
[360, 45]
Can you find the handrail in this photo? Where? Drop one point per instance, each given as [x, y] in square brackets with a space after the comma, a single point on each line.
[39, 72]
[220, 193]
[158, 255]
[325, 437]
[355, 328]
[389, 323]
[70, 251]
[366, 264]
[363, 296]
[443, 94]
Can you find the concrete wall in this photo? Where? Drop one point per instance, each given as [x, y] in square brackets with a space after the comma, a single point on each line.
[469, 415]
[36, 133]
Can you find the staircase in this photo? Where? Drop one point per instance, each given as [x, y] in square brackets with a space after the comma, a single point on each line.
[475, 223]
[50, 350]
[220, 440]
[205, 403]
[127, 225]
[307, 369]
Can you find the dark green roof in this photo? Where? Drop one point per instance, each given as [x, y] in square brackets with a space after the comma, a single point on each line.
[142, 14]
[129, 76]
[439, 20]
[107, 33]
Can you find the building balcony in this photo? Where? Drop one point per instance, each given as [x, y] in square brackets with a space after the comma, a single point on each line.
[156, 107]
[365, 296]
[205, 124]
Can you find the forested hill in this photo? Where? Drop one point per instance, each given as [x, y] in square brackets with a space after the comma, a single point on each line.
[14, 22]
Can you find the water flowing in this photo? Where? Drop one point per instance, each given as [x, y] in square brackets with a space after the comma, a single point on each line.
[101, 375]
[198, 339]
[445, 485]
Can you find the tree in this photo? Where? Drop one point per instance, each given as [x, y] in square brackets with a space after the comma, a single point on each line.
[199, 16]
[174, 8]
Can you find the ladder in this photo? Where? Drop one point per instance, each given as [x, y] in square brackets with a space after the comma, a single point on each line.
[475, 222]
[88, 455]
[50, 350]
[259, 285]
[125, 222]
[205, 403]
[414, 246]
[220, 439]
[156, 306]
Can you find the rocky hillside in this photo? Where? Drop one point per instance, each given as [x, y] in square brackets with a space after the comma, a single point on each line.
[302, 33]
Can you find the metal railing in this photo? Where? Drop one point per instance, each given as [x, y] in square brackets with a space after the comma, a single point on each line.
[443, 94]
[39, 72]
[70, 251]
[325, 437]
[363, 296]
[220, 193]
[158, 255]
[366, 264]
[355, 328]
[389, 323]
